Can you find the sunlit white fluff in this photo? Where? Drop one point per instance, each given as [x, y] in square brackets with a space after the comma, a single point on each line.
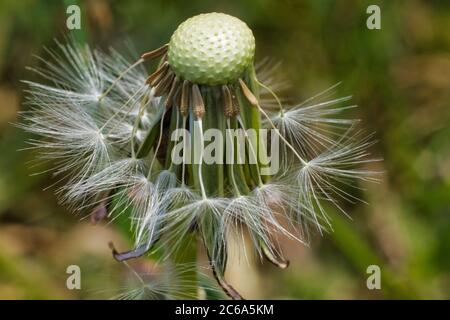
[148, 220]
[70, 137]
[203, 215]
[117, 174]
[268, 73]
[250, 214]
[312, 126]
[87, 135]
[124, 91]
[281, 198]
[326, 176]
[75, 73]
[172, 284]
[134, 198]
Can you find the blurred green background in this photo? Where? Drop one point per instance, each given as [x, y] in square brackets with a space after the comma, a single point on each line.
[399, 76]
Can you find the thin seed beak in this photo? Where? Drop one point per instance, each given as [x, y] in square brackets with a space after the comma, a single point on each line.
[164, 86]
[155, 53]
[172, 91]
[156, 76]
[248, 94]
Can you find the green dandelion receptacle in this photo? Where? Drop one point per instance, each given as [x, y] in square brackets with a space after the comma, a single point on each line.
[211, 49]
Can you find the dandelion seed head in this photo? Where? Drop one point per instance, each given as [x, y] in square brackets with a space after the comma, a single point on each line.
[104, 124]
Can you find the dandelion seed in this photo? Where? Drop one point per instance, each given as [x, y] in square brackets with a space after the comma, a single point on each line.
[76, 73]
[312, 128]
[323, 177]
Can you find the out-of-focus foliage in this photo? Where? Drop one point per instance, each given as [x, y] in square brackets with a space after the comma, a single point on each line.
[400, 78]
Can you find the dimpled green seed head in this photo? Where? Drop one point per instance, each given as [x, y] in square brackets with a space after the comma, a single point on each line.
[211, 49]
